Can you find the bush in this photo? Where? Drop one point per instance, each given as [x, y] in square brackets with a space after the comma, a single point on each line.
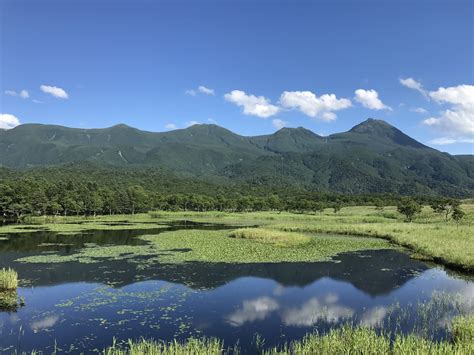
[409, 207]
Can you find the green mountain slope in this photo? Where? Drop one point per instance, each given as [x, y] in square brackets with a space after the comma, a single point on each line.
[372, 157]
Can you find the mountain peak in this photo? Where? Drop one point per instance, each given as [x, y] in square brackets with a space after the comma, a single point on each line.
[208, 128]
[371, 125]
[296, 131]
[121, 126]
[382, 130]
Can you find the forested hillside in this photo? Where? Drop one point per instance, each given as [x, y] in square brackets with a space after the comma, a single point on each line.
[373, 157]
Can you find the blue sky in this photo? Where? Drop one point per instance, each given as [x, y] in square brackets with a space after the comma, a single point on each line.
[323, 65]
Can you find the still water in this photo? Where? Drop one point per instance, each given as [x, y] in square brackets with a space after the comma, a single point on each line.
[82, 307]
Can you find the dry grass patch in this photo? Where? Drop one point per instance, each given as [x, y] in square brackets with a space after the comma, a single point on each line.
[271, 236]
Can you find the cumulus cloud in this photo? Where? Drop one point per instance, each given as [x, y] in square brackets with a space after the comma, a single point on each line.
[8, 121]
[24, 94]
[307, 102]
[420, 110]
[54, 91]
[370, 99]
[457, 121]
[170, 126]
[253, 105]
[200, 90]
[315, 310]
[279, 124]
[252, 310]
[414, 85]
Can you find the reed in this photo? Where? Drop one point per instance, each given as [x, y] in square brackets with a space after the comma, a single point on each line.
[344, 341]
[205, 346]
[8, 279]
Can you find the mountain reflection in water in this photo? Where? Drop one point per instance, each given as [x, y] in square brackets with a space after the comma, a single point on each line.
[84, 306]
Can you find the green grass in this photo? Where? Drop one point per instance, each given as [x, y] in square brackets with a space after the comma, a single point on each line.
[203, 346]
[271, 236]
[9, 300]
[463, 329]
[8, 280]
[343, 341]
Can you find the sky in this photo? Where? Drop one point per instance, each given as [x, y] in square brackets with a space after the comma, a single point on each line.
[250, 66]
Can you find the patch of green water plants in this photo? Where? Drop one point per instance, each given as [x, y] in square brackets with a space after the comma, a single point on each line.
[215, 246]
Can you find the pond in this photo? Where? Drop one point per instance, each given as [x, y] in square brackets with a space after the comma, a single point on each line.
[83, 307]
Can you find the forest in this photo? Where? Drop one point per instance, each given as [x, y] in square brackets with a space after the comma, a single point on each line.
[87, 190]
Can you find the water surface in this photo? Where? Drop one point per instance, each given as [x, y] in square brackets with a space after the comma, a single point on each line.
[82, 307]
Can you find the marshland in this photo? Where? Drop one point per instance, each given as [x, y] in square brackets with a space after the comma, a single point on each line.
[361, 278]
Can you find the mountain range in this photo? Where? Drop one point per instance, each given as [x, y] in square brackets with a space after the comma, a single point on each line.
[372, 157]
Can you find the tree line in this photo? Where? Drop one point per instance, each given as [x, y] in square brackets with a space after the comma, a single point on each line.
[87, 189]
[32, 195]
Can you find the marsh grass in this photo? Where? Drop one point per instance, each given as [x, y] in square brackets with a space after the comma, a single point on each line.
[271, 236]
[8, 279]
[205, 346]
[343, 341]
[429, 236]
[463, 329]
[445, 244]
[9, 301]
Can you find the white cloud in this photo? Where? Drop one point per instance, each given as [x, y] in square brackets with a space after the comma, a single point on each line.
[370, 99]
[45, 323]
[252, 310]
[279, 124]
[374, 317]
[8, 121]
[457, 121]
[200, 90]
[205, 90]
[191, 123]
[414, 85]
[54, 91]
[315, 310]
[329, 116]
[253, 105]
[24, 94]
[313, 106]
[447, 141]
[170, 126]
[419, 110]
